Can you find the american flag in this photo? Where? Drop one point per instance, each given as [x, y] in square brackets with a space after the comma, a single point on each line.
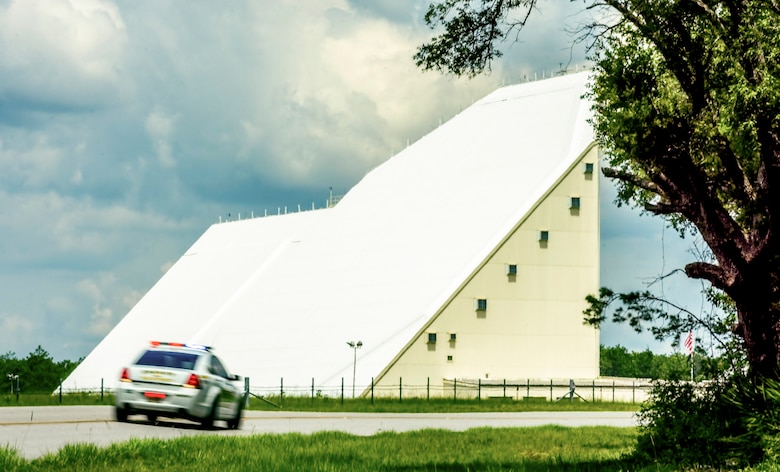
[689, 343]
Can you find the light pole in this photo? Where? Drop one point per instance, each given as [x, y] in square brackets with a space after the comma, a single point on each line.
[355, 346]
[11, 378]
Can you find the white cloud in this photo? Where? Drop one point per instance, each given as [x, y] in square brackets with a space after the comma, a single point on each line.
[345, 98]
[14, 327]
[160, 127]
[36, 166]
[60, 53]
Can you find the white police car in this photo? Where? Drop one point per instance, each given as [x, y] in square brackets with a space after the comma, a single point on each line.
[178, 380]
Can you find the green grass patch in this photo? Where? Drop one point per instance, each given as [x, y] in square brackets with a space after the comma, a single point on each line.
[433, 405]
[356, 405]
[45, 399]
[484, 449]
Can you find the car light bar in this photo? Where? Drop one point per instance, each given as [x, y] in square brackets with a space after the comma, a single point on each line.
[200, 347]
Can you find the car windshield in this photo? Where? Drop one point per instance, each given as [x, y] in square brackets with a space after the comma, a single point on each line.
[175, 360]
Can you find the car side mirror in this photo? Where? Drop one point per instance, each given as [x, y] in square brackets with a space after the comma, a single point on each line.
[234, 377]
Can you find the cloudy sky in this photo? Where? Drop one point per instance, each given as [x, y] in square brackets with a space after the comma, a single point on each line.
[128, 127]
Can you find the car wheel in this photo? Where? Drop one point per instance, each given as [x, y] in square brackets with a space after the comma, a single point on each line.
[151, 417]
[235, 423]
[121, 414]
[208, 421]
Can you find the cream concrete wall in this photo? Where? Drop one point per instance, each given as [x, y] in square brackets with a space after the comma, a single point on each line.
[532, 327]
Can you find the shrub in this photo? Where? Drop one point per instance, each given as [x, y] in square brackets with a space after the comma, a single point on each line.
[757, 404]
[696, 424]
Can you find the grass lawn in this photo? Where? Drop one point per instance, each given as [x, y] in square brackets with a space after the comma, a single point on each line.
[483, 449]
[358, 405]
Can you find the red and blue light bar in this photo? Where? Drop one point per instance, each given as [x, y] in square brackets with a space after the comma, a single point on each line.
[199, 347]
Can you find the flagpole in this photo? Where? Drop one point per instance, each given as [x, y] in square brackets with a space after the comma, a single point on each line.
[690, 357]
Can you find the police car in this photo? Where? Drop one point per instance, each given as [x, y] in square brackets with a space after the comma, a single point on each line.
[177, 380]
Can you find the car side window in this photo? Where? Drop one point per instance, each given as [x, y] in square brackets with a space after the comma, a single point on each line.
[217, 368]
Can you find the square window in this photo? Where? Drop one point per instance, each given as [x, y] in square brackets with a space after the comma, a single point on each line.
[511, 269]
[431, 338]
[480, 304]
[449, 358]
[575, 203]
[453, 337]
[544, 235]
[588, 168]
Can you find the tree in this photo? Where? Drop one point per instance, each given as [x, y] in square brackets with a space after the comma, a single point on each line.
[687, 102]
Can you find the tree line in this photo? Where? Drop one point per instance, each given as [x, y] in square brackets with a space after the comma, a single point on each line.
[617, 361]
[36, 373]
[39, 373]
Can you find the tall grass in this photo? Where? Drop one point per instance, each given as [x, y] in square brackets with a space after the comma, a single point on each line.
[433, 405]
[483, 449]
[45, 399]
[356, 405]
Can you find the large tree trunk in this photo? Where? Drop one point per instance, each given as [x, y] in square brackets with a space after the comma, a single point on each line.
[753, 286]
[759, 327]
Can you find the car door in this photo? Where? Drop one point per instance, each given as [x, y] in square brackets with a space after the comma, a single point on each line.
[228, 396]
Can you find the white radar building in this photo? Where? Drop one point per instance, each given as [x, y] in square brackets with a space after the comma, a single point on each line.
[466, 256]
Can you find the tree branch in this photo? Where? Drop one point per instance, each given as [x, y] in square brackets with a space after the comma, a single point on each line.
[618, 174]
[712, 273]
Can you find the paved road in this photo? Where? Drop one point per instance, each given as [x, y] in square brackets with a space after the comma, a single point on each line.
[36, 431]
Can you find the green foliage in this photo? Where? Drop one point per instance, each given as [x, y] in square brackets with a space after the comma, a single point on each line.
[10, 459]
[729, 422]
[617, 361]
[693, 425]
[38, 372]
[757, 405]
[644, 311]
[486, 449]
[47, 399]
[467, 45]
[687, 108]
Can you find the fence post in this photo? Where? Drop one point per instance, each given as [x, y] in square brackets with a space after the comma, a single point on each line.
[633, 392]
[428, 389]
[61, 392]
[551, 392]
[312, 389]
[504, 388]
[613, 391]
[372, 390]
[342, 390]
[455, 389]
[400, 389]
[479, 389]
[101, 390]
[281, 390]
[527, 388]
[246, 391]
[593, 390]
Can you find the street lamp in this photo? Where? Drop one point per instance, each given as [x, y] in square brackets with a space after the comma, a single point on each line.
[11, 378]
[355, 346]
